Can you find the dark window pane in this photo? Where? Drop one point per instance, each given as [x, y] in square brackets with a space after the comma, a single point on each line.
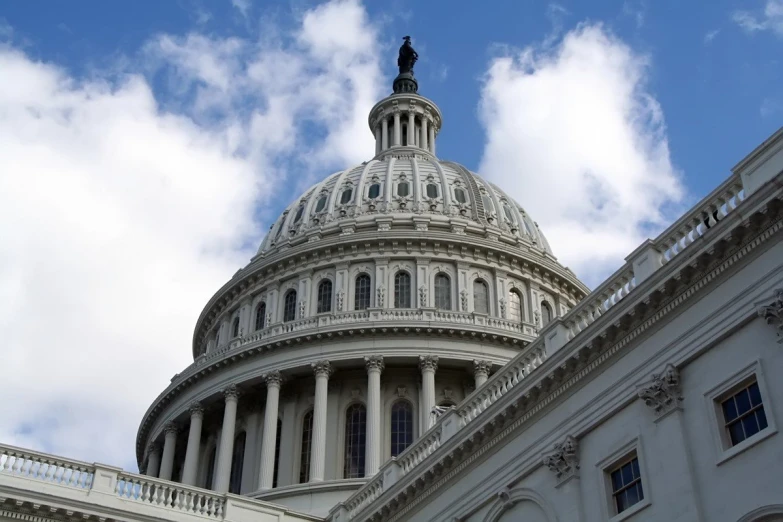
[635, 468]
[762, 418]
[346, 196]
[432, 190]
[402, 290]
[355, 441]
[622, 502]
[307, 441]
[362, 292]
[289, 306]
[750, 425]
[627, 472]
[755, 394]
[403, 189]
[442, 292]
[324, 297]
[320, 204]
[401, 427]
[260, 316]
[632, 496]
[277, 453]
[736, 433]
[459, 195]
[640, 491]
[743, 401]
[480, 297]
[298, 216]
[375, 190]
[237, 462]
[617, 481]
[729, 409]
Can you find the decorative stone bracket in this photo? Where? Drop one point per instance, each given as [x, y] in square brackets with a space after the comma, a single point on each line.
[663, 392]
[564, 459]
[773, 312]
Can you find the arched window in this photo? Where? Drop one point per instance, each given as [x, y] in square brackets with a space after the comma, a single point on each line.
[289, 306]
[277, 452]
[217, 336]
[401, 426]
[324, 297]
[280, 227]
[488, 206]
[355, 441]
[402, 290]
[346, 196]
[260, 315]
[320, 205]
[299, 213]
[515, 306]
[546, 313]
[508, 213]
[235, 327]
[211, 469]
[480, 297]
[432, 190]
[403, 189]
[237, 459]
[459, 195]
[361, 292]
[443, 292]
[307, 444]
[374, 191]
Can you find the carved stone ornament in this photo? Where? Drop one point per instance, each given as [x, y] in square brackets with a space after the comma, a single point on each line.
[463, 297]
[402, 391]
[231, 392]
[537, 318]
[503, 307]
[196, 410]
[428, 362]
[663, 392]
[381, 295]
[302, 308]
[564, 459]
[773, 313]
[423, 296]
[322, 368]
[273, 378]
[268, 319]
[152, 447]
[340, 300]
[170, 428]
[374, 363]
[480, 367]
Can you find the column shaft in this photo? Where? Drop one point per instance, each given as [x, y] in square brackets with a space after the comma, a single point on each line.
[481, 371]
[226, 449]
[432, 139]
[411, 129]
[428, 364]
[153, 460]
[169, 447]
[190, 469]
[385, 133]
[377, 139]
[267, 474]
[373, 456]
[397, 129]
[423, 140]
[322, 371]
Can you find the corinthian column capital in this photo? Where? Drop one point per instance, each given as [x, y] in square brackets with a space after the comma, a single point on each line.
[273, 378]
[374, 363]
[170, 429]
[428, 362]
[196, 410]
[231, 392]
[322, 368]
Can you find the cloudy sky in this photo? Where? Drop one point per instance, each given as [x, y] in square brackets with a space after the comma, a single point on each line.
[145, 148]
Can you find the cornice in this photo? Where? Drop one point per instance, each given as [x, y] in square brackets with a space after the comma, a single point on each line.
[437, 245]
[610, 335]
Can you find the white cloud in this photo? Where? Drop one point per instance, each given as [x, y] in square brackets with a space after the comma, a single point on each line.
[243, 6]
[124, 210]
[575, 136]
[770, 19]
[710, 36]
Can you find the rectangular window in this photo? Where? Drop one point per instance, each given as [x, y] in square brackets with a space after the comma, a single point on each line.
[743, 413]
[626, 484]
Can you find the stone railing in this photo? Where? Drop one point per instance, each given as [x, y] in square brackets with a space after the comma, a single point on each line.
[125, 496]
[638, 267]
[368, 495]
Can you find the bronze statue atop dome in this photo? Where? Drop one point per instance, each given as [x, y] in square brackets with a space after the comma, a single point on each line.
[407, 57]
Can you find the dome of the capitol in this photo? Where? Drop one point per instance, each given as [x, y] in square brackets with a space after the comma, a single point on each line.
[383, 294]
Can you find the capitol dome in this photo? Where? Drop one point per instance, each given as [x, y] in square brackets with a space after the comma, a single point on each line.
[384, 294]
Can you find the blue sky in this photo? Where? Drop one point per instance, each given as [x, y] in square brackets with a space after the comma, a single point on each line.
[149, 145]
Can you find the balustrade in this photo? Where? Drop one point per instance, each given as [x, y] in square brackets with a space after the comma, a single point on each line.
[46, 468]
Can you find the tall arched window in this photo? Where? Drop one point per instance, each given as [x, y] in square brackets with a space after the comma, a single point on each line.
[402, 290]
[289, 306]
[235, 327]
[459, 195]
[515, 306]
[346, 196]
[546, 313]
[217, 336]
[260, 315]
[320, 205]
[374, 191]
[237, 460]
[277, 452]
[401, 426]
[361, 292]
[443, 292]
[307, 444]
[355, 440]
[480, 297]
[211, 469]
[324, 296]
[403, 189]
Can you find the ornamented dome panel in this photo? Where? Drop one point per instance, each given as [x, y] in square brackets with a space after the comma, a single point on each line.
[396, 192]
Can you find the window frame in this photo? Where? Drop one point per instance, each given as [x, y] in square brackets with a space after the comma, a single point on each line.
[349, 191]
[481, 280]
[610, 463]
[235, 326]
[437, 297]
[362, 455]
[398, 295]
[362, 275]
[259, 305]
[304, 459]
[713, 399]
[319, 297]
[412, 424]
[370, 187]
[464, 195]
[285, 305]
[518, 295]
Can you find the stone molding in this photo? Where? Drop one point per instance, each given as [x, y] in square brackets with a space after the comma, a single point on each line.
[428, 363]
[563, 460]
[773, 313]
[322, 368]
[231, 392]
[374, 363]
[663, 392]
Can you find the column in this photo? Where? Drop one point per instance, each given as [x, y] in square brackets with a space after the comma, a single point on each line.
[190, 468]
[432, 139]
[385, 133]
[226, 448]
[372, 460]
[153, 460]
[411, 128]
[423, 140]
[397, 129]
[249, 472]
[377, 139]
[169, 446]
[481, 371]
[428, 365]
[322, 370]
[267, 475]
